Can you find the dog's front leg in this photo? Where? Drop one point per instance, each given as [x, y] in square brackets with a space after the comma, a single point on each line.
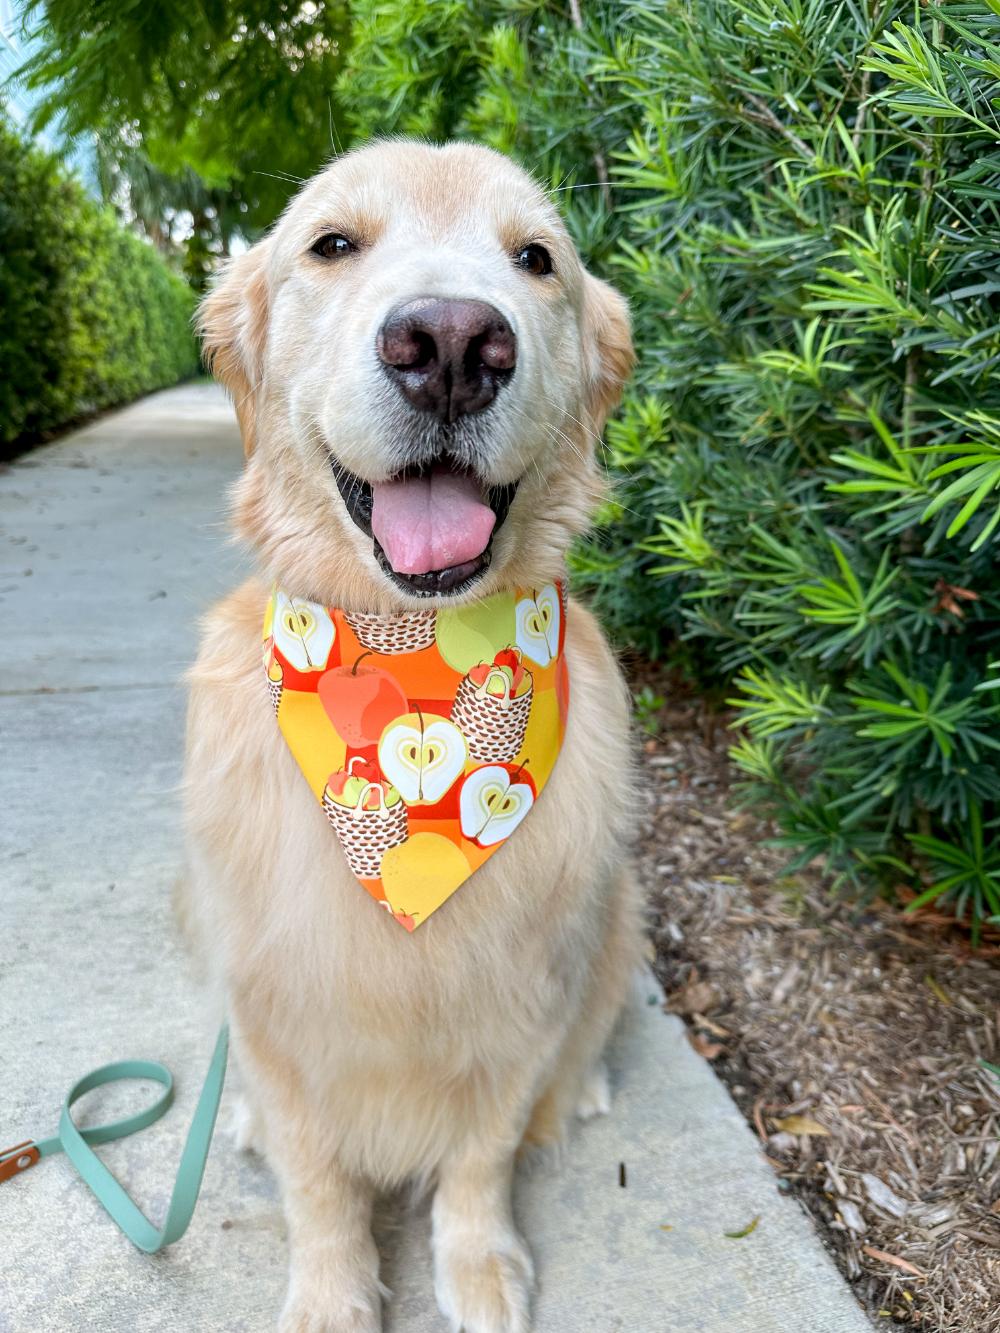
[333, 1281]
[483, 1273]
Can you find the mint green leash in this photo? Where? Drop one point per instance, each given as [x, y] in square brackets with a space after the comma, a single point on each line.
[75, 1143]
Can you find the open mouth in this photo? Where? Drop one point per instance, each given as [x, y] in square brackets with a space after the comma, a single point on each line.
[432, 527]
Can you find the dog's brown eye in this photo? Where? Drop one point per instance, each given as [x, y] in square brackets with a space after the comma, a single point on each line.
[333, 246]
[535, 259]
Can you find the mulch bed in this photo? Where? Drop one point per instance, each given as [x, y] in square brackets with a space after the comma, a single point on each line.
[849, 1037]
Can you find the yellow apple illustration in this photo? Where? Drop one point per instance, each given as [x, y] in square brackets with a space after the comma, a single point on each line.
[420, 873]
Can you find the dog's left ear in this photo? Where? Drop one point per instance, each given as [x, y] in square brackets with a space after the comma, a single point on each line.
[607, 348]
[232, 321]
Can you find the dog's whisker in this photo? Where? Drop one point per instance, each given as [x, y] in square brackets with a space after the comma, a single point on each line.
[556, 434]
[613, 485]
[588, 430]
[238, 403]
[598, 439]
[285, 176]
[335, 143]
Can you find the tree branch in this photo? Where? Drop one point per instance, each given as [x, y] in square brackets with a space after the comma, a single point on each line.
[765, 116]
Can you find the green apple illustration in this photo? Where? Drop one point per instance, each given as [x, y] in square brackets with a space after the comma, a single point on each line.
[472, 634]
[348, 785]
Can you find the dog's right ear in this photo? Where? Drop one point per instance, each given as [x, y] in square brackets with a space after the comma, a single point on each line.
[232, 322]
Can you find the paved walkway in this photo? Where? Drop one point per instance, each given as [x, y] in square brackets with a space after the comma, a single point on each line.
[112, 543]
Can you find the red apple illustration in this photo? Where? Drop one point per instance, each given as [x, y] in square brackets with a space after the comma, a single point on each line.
[404, 918]
[361, 701]
[359, 773]
[509, 663]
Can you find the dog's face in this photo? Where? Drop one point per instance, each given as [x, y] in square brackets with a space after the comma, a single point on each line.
[421, 367]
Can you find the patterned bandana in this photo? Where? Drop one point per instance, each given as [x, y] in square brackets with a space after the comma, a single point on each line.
[425, 736]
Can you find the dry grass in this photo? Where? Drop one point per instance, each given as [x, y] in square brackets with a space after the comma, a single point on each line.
[849, 1038]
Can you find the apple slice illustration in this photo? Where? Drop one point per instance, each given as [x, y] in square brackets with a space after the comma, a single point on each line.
[303, 631]
[493, 801]
[360, 701]
[422, 755]
[538, 625]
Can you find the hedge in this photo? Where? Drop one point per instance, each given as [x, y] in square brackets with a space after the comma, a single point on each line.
[810, 461]
[90, 315]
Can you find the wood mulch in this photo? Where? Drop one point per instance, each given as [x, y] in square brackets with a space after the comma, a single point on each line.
[849, 1037]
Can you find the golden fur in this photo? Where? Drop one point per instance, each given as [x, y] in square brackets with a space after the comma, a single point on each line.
[373, 1056]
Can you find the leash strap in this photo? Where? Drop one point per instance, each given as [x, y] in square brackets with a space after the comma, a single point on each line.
[75, 1143]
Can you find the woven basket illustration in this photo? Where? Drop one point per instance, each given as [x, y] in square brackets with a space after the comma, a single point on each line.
[274, 687]
[406, 633]
[494, 725]
[366, 835]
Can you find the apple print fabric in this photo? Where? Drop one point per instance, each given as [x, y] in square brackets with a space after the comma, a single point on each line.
[427, 736]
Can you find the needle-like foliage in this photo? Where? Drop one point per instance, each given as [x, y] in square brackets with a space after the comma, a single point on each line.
[810, 465]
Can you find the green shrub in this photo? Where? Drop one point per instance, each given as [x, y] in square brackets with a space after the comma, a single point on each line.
[810, 463]
[90, 316]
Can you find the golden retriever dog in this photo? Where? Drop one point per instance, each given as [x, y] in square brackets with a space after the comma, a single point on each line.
[417, 311]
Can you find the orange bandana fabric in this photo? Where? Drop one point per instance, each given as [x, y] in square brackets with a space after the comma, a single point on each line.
[427, 736]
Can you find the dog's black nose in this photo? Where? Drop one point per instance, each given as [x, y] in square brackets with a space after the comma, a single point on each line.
[447, 357]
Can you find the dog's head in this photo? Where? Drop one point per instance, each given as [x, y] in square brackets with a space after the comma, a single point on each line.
[421, 367]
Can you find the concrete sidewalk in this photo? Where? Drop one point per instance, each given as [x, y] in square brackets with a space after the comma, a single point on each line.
[113, 542]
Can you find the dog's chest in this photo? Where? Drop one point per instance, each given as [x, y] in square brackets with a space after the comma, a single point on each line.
[506, 953]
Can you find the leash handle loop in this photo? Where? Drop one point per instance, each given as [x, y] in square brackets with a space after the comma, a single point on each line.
[75, 1142]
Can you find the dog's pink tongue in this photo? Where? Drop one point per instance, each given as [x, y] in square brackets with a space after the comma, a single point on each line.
[431, 522]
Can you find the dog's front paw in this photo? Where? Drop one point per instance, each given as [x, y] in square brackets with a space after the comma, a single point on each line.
[321, 1304]
[485, 1288]
[302, 1315]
